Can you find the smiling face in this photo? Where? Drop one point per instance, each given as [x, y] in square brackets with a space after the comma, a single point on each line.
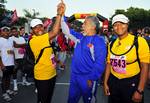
[5, 33]
[121, 29]
[38, 29]
[22, 31]
[88, 27]
[14, 32]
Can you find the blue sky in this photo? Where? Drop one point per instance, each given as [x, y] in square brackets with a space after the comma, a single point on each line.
[47, 8]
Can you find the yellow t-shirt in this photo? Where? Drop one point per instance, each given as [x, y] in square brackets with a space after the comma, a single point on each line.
[45, 68]
[119, 63]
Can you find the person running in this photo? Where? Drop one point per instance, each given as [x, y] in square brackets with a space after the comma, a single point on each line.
[44, 69]
[6, 62]
[127, 65]
[88, 61]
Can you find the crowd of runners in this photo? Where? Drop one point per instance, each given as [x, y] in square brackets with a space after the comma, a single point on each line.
[119, 58]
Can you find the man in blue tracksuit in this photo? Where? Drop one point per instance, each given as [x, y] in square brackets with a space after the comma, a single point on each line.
[88, 61]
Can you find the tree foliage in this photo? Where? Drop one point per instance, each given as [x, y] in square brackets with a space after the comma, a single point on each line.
[3, 1]
[21, 21]
[30, 15]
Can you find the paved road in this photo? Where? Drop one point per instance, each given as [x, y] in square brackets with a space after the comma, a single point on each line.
[27, 94]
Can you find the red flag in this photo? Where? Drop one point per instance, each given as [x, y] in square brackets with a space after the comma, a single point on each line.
[47, 22]
[14, 17]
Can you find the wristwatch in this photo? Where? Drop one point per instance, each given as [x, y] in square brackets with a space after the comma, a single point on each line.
[140, 92]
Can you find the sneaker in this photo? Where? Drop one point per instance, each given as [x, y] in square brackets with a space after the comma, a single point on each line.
[10, 92]
[26, 83]
[36, 91]
[15, 88]
[15, 92]
[6, 97]
[62, 69]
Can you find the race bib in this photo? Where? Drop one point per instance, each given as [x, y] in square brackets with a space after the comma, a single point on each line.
[118, 63]
[53, 59]
[21, 51]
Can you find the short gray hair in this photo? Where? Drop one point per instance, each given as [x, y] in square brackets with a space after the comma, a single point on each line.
[95, 21]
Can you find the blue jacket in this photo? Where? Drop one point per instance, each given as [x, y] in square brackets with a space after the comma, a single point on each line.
[82, 62]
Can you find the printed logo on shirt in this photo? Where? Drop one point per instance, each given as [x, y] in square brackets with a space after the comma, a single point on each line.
[118, 63]
[90, 45]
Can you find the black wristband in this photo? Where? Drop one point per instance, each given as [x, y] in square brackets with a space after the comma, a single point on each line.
[140, 92]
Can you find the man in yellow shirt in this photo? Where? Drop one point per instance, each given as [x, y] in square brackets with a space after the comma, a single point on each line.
[44, 70]
[127, 65]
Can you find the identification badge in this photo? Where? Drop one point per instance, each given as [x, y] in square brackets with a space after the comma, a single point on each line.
[118, 63]
[53, 59]
[21, 51]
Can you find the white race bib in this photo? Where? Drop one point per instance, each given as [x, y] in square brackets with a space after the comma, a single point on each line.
[118, 63]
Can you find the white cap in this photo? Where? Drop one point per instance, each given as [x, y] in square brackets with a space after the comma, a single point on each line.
[35, 22]
[120, 18]
[5, 27]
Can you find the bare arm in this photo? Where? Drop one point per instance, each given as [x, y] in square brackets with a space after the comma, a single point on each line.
[143, 76]
[137, 97]
[106, 77]
[19, 45]
[56, 27]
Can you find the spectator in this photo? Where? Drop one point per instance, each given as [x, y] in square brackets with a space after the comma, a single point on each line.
[6, 62]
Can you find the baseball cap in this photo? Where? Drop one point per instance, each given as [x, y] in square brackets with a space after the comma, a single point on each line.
[121, 18]
[147, 30]
[35, 22]
[5, 29]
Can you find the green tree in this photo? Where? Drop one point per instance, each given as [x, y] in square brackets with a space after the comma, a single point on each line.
[2, 10]
[31, 15]
[3, 1]
[21, 21]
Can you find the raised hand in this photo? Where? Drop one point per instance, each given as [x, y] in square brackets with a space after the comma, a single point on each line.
[61, 8]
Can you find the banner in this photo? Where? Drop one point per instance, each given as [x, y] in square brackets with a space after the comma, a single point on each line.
[47, 22]
[14, 17]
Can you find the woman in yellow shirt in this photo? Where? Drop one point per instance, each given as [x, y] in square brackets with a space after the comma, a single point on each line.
[125, 75]
[44, 70]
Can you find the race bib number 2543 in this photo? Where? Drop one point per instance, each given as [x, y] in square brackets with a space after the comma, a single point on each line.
[118, 63]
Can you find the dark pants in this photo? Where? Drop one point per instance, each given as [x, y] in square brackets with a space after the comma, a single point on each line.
[45, 89]
[122, 90]
[7, 72]
[18, 66]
